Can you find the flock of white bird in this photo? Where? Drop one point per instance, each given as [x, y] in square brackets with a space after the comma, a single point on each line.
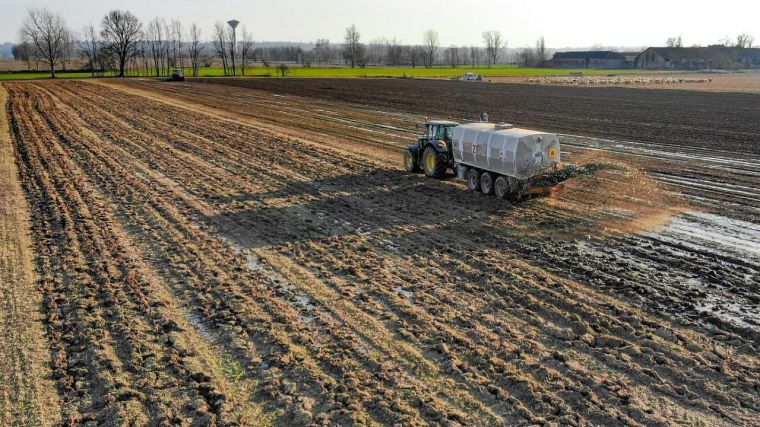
[592, 81]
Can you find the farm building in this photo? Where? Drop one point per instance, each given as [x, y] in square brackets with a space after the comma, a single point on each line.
[698, 58]
[602, 59]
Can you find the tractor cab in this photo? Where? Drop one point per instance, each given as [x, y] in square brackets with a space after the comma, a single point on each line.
[437, 130]
[432, 152]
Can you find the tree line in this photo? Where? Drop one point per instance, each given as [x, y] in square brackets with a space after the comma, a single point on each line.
[392, 52]
[122, 44]
[743, 40]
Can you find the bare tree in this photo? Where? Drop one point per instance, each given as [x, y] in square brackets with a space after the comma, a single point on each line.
[493, 44]
[541, 52]
[352, 45]
[220, 35]
[430, 43]
[47, 34]
[91, 47]
[526, 56]
[232, 46]
[246, 49]
[393, 52]
[69, 43]
[195, 47]
[24, 51]
[121, 32]
[176, 43]
[415, 54]
[674, 42]
[452, 55]
[474, 56]
[323, 51]
[745, 40]
[377, 51]
[156, 44]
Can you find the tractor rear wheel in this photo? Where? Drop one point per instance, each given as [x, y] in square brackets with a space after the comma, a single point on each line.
[501, 187]
[411, 163]
[486, 183]
[434, 163]
[473, 179]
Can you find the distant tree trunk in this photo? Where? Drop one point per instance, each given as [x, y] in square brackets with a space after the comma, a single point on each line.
[246, 48]
[541, 53]
[195, 47]
[219, 44]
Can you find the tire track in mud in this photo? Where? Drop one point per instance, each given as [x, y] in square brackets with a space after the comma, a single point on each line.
[284, 321]
[357, 215]
[720, 173]
[379, 218]
[111, 285]
[709, 176]
[365, 217]
[27, 393]
[354, 287]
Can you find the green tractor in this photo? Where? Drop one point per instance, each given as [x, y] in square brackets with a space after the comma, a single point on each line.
[432, 152]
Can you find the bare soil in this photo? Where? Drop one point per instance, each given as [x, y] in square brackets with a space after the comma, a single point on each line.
[216, 254]
[667, 117]
[720, 81]
[27, 395]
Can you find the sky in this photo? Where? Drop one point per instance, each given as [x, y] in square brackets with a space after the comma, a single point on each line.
[567, 23]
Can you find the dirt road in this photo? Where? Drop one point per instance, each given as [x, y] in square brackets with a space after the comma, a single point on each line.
[260, 258]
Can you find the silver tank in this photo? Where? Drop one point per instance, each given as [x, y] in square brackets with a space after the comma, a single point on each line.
[504, 149]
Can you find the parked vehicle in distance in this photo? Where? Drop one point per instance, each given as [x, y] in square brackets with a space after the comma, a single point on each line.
[469, 77]
[177, 75]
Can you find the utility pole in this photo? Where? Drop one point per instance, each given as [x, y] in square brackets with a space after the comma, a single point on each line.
[233, 23]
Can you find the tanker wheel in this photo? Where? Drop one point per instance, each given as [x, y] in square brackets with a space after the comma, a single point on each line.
[411, 163]
[501, 187]
[473, 179]
[486, 183]
[434, 163]
[514, 185]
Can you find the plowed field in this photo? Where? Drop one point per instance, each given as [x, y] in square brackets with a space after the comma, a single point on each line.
[216, 255]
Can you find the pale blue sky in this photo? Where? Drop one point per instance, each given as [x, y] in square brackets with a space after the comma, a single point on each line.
[563, 23]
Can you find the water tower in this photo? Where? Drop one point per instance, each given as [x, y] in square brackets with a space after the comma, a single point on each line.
[233, 23]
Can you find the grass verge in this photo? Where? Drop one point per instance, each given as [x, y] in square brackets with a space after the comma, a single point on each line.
[322, 72]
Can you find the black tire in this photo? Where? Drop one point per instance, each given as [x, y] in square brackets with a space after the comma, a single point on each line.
[411, 162]
[486, 183]
[434, 163]
[473, 179]
[501, 187]
[514, 185]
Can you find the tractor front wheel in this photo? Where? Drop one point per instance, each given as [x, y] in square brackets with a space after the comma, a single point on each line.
[411, 163]
[434, 163]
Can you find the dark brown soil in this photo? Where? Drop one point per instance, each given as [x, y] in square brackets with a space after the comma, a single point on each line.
[678, 117]
[218, 255]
